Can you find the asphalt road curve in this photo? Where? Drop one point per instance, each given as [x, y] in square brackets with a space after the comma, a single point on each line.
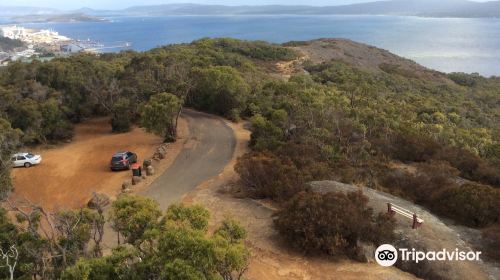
[209, 148]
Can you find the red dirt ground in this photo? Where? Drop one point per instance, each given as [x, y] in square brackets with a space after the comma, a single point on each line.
[70, 173]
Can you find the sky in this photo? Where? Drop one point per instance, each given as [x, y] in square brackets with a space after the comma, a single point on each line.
[119, 4]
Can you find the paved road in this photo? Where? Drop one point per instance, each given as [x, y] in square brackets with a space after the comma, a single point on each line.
[209, 148]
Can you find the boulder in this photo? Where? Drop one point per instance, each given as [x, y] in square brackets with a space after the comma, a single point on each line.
[164, 146]
[161, 153]
[146, 163]
[126, 190]
[150, 170]
[98, 201]
[126, 184]
[136, 180]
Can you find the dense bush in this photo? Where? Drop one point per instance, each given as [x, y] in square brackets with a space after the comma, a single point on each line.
[421, 186]
[471, 204]
[121, 120]
[419, 148]
[464, 79]
[221, 90]
[490, 240]
[267, 176]
[413, 147]
[196, 216]
[434, 184]
[215, 75]
[133, 217]
[9, 142]
[471, 166]
[159, 115]
[265, 135]
[7, 44]
[55, 126]
[332, 223]
[256, 49]
[178, 247]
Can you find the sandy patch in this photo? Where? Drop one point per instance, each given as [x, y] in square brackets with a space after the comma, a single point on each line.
[70, 173]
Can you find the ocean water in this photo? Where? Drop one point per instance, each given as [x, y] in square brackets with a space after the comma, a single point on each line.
[445, 44]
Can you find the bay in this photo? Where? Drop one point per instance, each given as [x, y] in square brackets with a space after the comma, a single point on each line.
[445, 44]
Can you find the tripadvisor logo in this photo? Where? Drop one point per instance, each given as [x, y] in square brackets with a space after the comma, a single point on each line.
[387, 255]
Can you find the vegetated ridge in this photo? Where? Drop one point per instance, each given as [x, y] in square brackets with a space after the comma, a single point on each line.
[355, 115]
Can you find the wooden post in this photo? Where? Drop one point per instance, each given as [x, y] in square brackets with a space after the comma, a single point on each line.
[415, 221]
[389, 209]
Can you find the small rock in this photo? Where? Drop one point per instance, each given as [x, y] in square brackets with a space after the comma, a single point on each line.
[136, 180]
[126, 185]
[146, 163]
[164, 148]
[161, 153]
[368, 252]
[150, 170]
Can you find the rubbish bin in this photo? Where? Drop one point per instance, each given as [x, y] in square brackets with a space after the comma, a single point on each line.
[136, 170]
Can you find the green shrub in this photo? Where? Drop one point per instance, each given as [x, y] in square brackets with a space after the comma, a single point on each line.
[7, 44]
[332, 223]
[220, 90]
[490, 239]
[256, 49]
[265, 135]
[471, 204]
[122, 116]
[421, 186]
[471, 166]
[413, 147]
[195, 215]
[267, 176]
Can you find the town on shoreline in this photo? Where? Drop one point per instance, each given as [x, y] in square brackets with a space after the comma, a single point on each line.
[44, 44]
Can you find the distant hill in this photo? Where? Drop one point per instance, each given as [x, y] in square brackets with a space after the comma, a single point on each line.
[55, 18]
[430, 8]
[423, 8]
[427, 8]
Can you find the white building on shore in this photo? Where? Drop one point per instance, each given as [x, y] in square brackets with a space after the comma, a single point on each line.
[32, 36]
[13, 32]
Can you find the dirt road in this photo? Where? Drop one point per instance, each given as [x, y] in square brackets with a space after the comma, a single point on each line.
[206, 152]
[71, 172]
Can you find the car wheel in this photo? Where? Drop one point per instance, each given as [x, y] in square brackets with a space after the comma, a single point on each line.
[27, 164]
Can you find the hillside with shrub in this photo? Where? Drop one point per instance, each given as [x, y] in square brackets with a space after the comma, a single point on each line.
[337, 119]
[7, 44]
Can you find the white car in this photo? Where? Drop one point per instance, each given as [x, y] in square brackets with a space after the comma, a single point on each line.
[25, 159]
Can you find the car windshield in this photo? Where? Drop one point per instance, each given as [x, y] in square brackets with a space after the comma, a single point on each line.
[117, 158]
[30, 155]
